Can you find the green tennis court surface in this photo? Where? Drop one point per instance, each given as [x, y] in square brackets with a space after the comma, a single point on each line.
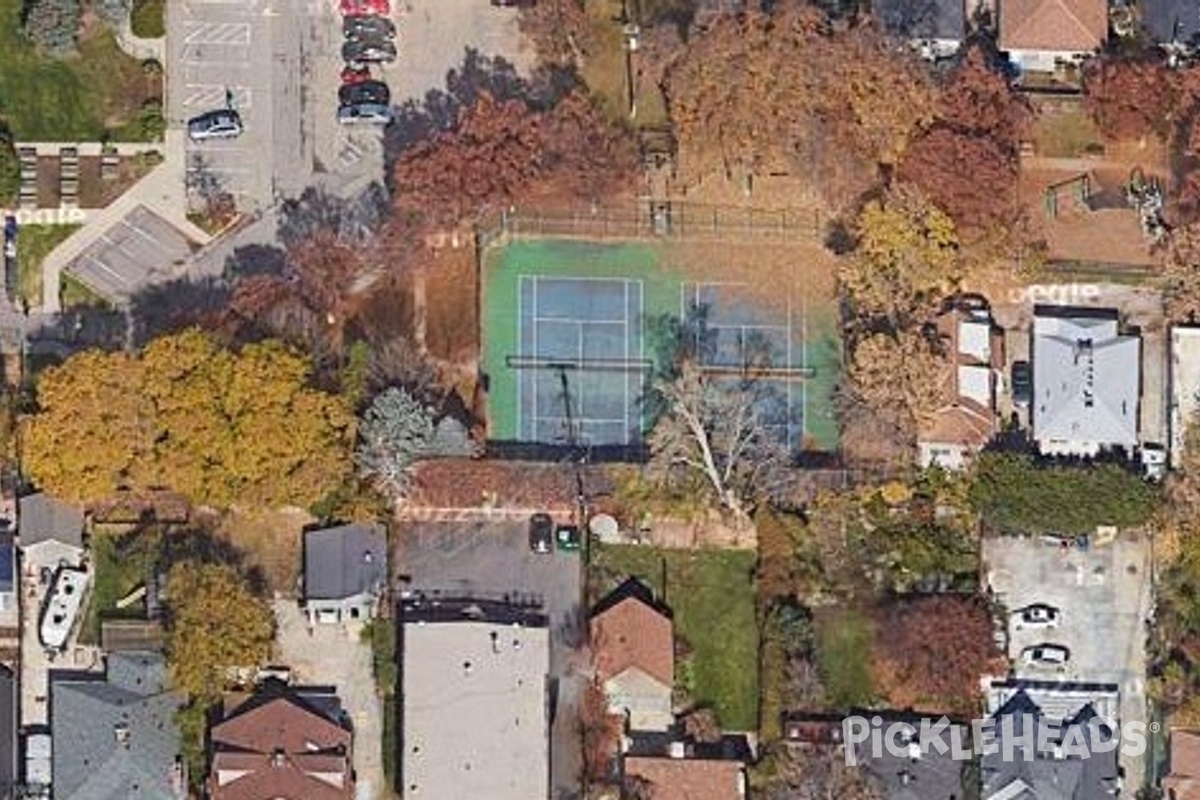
[569, 344]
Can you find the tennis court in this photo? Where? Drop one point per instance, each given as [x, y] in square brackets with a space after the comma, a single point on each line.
[571, 339]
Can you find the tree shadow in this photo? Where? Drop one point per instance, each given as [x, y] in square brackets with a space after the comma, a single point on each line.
[171, 307]
[353, 220]
[255, 259]
[200, 543]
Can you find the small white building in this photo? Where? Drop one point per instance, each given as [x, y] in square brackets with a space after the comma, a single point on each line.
[345, 571]
[50, 532]
[1185, 386]
[1086, 382]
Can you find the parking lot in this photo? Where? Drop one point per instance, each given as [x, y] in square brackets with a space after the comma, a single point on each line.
[1103, 595]
[249, 55]
[491, 560]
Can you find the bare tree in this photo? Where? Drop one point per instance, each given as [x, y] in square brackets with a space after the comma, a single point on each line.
[713, 429]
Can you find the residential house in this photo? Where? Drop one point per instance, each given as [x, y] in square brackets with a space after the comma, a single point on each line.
[1086, 382]
[966, 421]
[1184, 379]
[1171, 23]
[345, 570]
[678, 777]
[1042, 35]
[474, 687]
[114, 735]
[9, 722]
[1056, 721]
[633, 642]
[50, 532]
[1183, 781]
[282, 742]
[935, 28]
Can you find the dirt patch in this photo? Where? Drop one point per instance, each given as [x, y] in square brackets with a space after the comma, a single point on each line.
[452, 304]
[272, 542]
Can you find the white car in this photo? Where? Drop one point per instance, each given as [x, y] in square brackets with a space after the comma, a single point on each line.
[1038, 615]
[1046, 655]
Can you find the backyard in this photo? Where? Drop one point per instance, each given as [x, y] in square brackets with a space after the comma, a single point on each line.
[98, 93]
[711, 593]
[35, 243]
[120, 564]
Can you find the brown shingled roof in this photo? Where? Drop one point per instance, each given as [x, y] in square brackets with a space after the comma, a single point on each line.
[1053, 25]
[687, 778]
[632, 633]
[1184, 781]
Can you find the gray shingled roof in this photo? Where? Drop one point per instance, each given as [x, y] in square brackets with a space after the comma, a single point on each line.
[8, 733]
[93, 758]
[923, 19]
[40, 517]
[344, 561]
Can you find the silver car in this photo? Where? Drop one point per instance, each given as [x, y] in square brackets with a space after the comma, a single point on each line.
[365, 114]
[1046, 655]
[222, 124]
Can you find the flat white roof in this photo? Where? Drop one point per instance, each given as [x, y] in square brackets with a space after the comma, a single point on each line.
[975, 383]
[1185, 385]
[975, 340]
[475, 712]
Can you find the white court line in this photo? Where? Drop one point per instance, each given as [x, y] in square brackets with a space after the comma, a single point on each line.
[581, 321]
[520, 339]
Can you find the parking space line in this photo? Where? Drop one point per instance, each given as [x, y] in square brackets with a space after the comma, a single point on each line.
[215, 95]
[217, 33]
[216, 54]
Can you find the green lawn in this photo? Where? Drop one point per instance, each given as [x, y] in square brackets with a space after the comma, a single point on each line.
[711, 593]
[83, 97]
[117, 569]
[75, 293]
[844, 640]
[34, 243]
[147, 19]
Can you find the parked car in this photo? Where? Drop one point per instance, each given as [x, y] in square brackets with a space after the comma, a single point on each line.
[356, 73]
[1022, 383]
[365, 114]
[362, 8]
[360, 27]
[568, 538]
[362, 51]
[224, 123]
[541, 534]
[1038, 615]
[1046, 655]
[364, 93]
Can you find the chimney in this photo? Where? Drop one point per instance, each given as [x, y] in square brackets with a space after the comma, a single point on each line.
[278, 757]
[121, 733]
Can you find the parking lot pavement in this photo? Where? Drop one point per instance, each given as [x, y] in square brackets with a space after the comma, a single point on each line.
[493, 559]
[250, 55]
[1104, 596]
[336, 655]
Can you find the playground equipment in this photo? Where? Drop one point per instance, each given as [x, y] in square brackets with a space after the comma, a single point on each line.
[1078, 189]
[1146, 197]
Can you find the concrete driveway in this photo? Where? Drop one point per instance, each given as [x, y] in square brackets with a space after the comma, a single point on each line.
[490, 560]
[250, 54]
[336, 655]
[1104, 595]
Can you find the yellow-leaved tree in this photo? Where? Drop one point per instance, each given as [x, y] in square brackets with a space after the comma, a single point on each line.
[218, 425]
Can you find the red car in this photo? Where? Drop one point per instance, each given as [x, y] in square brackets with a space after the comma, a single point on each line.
[363, 8]
[354, 73]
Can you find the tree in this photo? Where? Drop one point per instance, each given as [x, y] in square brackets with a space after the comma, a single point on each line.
[1181, 274]
[714, 431]
[1131, 97]
[214, 624]
[936, 648]
[898, 376]
[52, 24]
[10, 167]
[396, 431]
[220, 426]
[906, 262]
[786, 773]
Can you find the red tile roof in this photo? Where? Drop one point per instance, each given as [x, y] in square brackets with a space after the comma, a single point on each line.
[688, 779]
[633, 633]
[1053, 25]
[1184, 781]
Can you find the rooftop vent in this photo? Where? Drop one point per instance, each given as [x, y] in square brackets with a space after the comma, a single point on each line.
[121, 732]
[278, 757]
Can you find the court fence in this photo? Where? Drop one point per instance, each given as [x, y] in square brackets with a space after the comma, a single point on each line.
[675, 220]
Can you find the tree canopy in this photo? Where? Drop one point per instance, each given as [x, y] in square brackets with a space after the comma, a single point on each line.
[214, 624]
[396, 430]
[218, 425]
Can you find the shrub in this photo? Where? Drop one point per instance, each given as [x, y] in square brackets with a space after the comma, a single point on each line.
[147, 20]
[52, 24]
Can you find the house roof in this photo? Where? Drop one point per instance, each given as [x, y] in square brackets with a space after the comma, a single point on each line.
[922, 19]
[1085, 378]
[630, 630]
[283, 744]
[965, 382]
[8, 733]
[1170, 21]
[687, 778]
[345, 561]
[1067, 26]
[115, 737]
[41, 517]
[1184, 781]
[8, 558]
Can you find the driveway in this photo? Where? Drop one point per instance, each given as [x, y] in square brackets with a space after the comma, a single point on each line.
[336, 655]
[1104, 594]
[492, 560]
[250, 54]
